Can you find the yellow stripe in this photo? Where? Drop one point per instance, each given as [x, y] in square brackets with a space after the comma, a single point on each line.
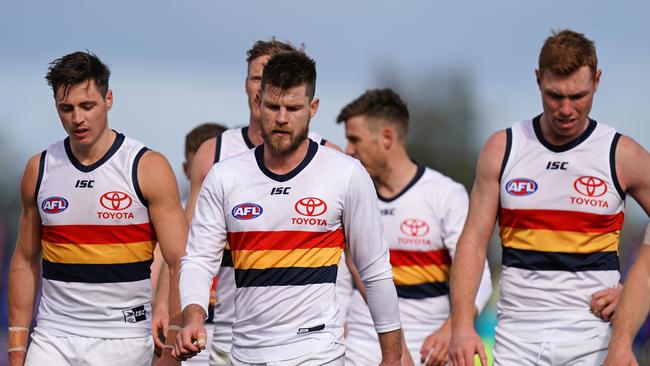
[98, 253]
[261, 259]
[414, 275]
[560, 241]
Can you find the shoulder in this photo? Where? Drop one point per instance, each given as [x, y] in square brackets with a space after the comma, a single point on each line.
[632, 163]
[440, 181]
[33, 171]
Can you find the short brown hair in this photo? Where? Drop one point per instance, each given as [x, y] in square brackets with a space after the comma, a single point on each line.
[290, 69]
[199, 134]
[75, 68]
[269, 48]
[375, 104]
[565, 51]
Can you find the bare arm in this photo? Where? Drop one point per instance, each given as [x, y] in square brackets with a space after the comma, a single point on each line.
[25, 267]
[158, 186]
[471, 252]
[203, 161]
[632, 166]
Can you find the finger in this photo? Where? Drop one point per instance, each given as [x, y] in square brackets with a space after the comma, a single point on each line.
[156, 337]
[442, 356]
[200, 341]
[481, 352]
[608, 311]
[424, 355]
[187, 347]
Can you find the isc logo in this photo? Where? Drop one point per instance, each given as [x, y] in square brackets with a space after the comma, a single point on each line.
[53, 205]
[521, 186]
[247, 211]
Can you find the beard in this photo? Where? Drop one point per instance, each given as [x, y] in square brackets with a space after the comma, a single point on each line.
[284, 144]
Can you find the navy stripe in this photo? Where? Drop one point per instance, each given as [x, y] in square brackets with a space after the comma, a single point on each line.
[41, 170]
[119, 139]
[418, 174]
[97, 273]
[244, 135]
[612, 166]
[507, 153]
[226, 259]
[569, 145]
[290, 276]
[553, 261]
[422, 291]
[217, 149]
[134, 176]
[259, 156]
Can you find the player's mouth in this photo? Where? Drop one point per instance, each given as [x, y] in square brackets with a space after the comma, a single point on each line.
[80, 132]
[565, 123]
[281, 133]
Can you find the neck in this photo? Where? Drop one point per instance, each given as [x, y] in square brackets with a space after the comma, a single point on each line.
[284, 163]
[88, 155]
[398, 173]
[255, 131]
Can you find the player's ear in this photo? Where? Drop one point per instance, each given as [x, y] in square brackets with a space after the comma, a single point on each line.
[109, 100]
[538, 77]
[313, 107]
[387, 137]
[597, 79]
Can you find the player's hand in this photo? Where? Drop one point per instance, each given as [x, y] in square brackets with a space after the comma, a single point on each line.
[16, 358]
[190, 341]
[406, 360]
[159, 327]
[464, 344]
[166, 359]
[435, 348]
[604, 302]
[620, 356]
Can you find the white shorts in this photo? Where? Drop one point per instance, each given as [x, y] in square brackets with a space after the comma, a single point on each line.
[203, 357]
[333, 355]
[218, 357]
[72, 351]
[511, 351]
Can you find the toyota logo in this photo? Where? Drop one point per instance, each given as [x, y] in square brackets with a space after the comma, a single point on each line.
[115, 201]
[590, 186]
[414, 227]
[311, 206]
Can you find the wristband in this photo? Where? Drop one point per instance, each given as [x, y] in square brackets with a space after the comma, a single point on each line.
[17, 338]
[175, 328]
[17, 349]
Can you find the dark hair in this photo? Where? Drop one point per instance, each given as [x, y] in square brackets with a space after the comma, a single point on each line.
[565, 51]
[269, 48]
[378, 105]
[290, 69]
[199, 134]
[75, 68]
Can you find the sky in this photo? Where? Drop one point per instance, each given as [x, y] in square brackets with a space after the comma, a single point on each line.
[176, 64]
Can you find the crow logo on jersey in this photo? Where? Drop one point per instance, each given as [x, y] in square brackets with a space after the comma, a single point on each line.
[247, 211]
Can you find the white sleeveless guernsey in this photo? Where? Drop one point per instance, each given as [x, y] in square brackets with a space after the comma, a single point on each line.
[422, 225]
[97, 244]
[230, 143]
[560, 220]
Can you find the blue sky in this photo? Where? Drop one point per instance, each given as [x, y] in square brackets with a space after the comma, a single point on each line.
[176, 64]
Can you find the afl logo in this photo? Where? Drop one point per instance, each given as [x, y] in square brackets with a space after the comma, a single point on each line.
[115, 201]
[414, 227]
[246, 211]
[310, 206]
[521, 186]
[54, 205]
[590, 186]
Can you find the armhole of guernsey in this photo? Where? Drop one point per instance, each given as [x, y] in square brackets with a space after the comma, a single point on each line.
[612, 166]
[41, 171]
[134, 175]
[504, 162]
[217, 150]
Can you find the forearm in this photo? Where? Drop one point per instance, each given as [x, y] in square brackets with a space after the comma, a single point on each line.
[391, 345]
[23, 284]
[466, 273]
[174, 295]
[634, 305]
[484, 289]
[161, 295]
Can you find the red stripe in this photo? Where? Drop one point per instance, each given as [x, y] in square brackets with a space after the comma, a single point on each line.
[582, 222]
[285, 240]
[417, 258]
[98, 234]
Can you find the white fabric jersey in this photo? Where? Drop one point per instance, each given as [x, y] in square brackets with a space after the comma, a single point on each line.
[560, 220]
[97, 244]
[230, 143]
[287, 233]
[422, 225]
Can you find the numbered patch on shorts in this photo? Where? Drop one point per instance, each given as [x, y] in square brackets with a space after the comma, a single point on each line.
[136, 314]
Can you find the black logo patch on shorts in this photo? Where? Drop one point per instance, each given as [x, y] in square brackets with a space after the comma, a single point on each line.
[312, 329]
[136, 314]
